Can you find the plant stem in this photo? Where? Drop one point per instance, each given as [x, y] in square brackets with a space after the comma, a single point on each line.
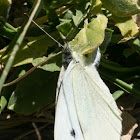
[30, 70]
[17, 45]
[115, 67]
[123, 85]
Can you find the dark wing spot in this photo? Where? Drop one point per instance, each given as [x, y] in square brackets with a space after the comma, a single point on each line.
[72, 132]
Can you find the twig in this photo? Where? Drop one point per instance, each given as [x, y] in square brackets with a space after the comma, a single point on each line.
[36, 130]
[17, 45]
[30, 132]
[31, 70]
[9, 123]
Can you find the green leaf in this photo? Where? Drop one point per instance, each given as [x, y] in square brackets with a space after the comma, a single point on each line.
[91, 36]
[34, 92]
[107, 39]
[4, 6]
[31, 50]
[67, 16]
[55, 3]
[122, 8]
[77, 18]
[135, 45]
[116, 38]
[34, 31]
[127, 26]
[64, 28]
[7, 91]
[96, 8]
[52, 65]
[127, 52]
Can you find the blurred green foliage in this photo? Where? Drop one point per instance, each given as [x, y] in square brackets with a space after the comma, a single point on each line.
[63, 19]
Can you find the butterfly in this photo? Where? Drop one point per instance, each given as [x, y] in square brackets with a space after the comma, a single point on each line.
[85, 108]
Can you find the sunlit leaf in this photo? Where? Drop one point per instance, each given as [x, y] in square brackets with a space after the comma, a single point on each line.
[91, 36]
[77, 17]
[127, 26]
[31, 50]
[52, 65]
[122, 8]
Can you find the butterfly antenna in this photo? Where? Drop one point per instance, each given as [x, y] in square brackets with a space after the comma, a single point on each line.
[45, 32]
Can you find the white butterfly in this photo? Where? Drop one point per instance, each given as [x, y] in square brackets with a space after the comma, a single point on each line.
[85, 107]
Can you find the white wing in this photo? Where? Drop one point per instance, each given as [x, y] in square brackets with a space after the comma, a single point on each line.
[96, 109]
[59, 82]
[96, 57]
[66, 123]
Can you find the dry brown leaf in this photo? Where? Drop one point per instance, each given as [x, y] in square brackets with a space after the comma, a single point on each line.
[136, 18]
[129, 125]
[127, 102]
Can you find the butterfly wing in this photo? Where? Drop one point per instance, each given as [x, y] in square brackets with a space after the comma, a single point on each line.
[59, 82]
[66, 123]
[96, 109]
